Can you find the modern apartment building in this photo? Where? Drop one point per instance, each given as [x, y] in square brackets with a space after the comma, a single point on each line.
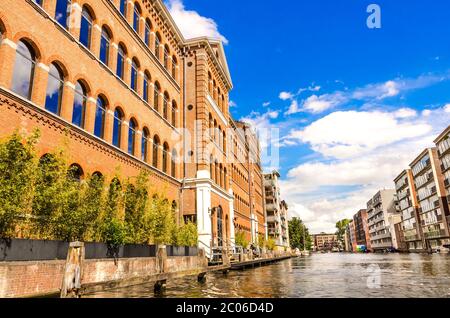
[409, 209]
[361, 226]
[382, 214]
[276, 211]
[120, 86]
[432, 196]
[325, 242]
[350, 237]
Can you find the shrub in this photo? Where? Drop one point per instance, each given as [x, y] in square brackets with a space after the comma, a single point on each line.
[241, 240]
[162, 221]
[270, 244]
[187, 235]
[17, 174]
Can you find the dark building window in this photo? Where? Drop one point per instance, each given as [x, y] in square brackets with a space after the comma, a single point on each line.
[79, 105]
[105, 44]
[100, 116]
[117, 127]
[55, 86]
[144, 144]
[132, 137]
[121, 53]
[86, 28]
[134, 74]
[24, 70]
[62, 12]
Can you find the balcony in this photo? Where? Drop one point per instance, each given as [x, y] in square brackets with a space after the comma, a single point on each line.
[435, 234]
[421, 167]
[447, 183]
[273, 219]
[444, 146]
[271, 207]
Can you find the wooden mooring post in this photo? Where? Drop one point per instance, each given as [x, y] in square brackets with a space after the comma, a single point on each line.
[73, 271]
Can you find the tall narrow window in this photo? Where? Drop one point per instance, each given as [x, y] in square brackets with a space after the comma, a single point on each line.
[146, 88]
[174, 67]
[136, 17]
[157, 92]
[121, 61]
[105, 44]
[155, 151]
[166, 105]
[123, 7]
[62, 12]
[157, 45]
[174, 113]
[132, 137]
[165, 156]
[100, 116]
[148, 30]
[86, 28]
[134, 74]
[173, 168]
[117, 127]
[55, 87]
[79, 105]
[166, 57]
[24, 70]
[144, 144]
[39, 2]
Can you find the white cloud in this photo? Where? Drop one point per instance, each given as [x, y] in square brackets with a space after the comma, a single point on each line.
[405, 113]
[266, 104]
[192, 24]
[366, 151]
[345, 134]
[286, 95]
[232, 104]
[294, 108]
[447, 108]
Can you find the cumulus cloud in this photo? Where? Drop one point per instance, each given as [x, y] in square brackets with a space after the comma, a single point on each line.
[192, 24]
[286, 95]
[364, 152]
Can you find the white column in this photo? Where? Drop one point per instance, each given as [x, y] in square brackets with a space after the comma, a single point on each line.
[204, 213]
[232, 229]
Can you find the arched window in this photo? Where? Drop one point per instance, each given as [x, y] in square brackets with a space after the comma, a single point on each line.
[156, 144]
[165, 156]
[210, 83]
[105, 44]
[79, 104]
[136, 17]
[100, 116]
[157, 45]
[224, 142]
[221, 175]
[218, 99]
[144, 144]
[147, 32]
[75, 172]
[214, 90]
[225, 178]
[166, 56]
[146, 86]
[134, 74]
[24, 69]
[55, 87]
[211, 167]
[117, 127]
[62, 12]
[166, 105]
[173, 168]
[86, 27]
[123, 7]
[132, 136]
[174, 67]
[157, 92]
[215, 130]
[211, 126]
[121, 56]
[174, 113]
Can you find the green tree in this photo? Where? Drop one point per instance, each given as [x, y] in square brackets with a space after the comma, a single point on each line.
[136, 202]
[187, 235]
[162, 221]
[299, 235]
[341, 226]
[240, 239]
[17, 174]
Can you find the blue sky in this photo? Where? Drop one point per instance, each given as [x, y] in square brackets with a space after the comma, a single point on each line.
[353, 105]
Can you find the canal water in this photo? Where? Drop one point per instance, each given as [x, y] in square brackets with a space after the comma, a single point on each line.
[318, 275]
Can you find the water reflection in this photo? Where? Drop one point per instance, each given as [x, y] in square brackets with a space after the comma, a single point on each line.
[320, 275]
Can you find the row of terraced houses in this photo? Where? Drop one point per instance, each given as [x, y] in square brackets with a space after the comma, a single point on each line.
[120, 85]
[415, 216]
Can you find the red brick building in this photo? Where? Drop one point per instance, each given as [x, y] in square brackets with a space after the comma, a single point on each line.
[118, 84]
